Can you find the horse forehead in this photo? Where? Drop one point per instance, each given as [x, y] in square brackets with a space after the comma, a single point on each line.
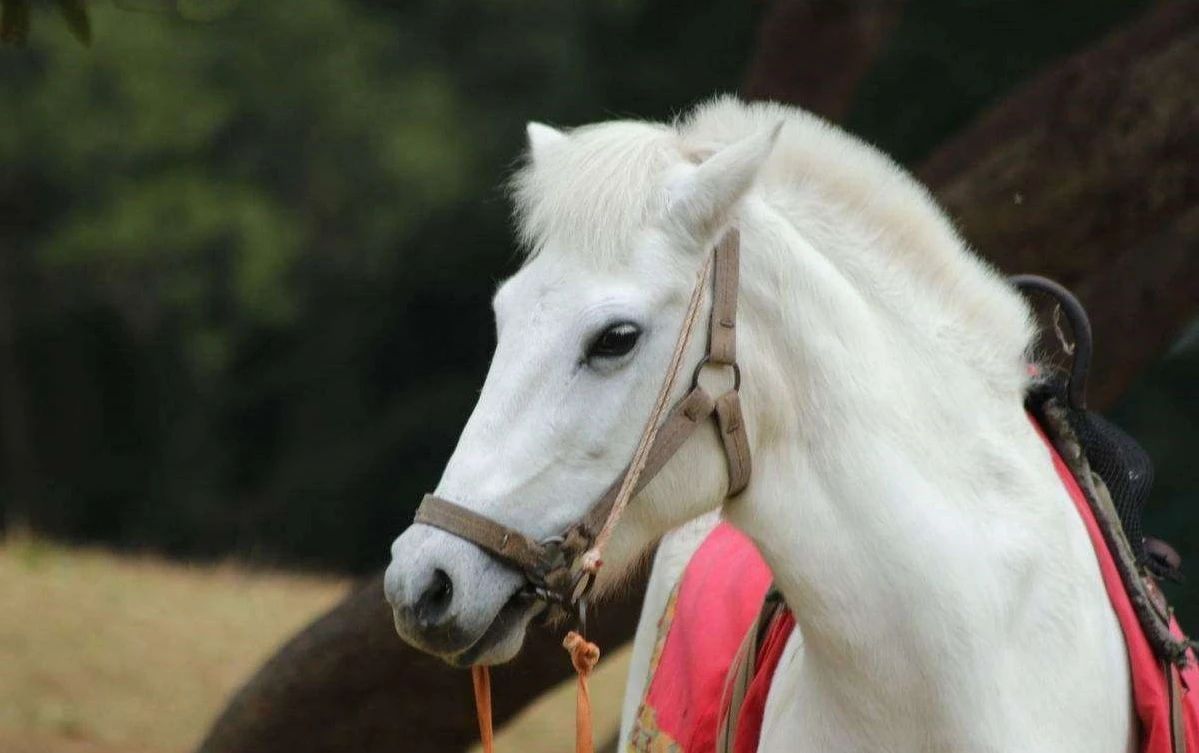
[530, 290]
[555, 284]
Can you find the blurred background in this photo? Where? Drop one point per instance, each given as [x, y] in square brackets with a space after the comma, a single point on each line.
[226, 227]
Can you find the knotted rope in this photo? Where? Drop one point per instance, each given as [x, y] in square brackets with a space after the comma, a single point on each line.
[584, 655]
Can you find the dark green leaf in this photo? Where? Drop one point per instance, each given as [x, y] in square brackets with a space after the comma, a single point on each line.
[14, 21]
[74, 12]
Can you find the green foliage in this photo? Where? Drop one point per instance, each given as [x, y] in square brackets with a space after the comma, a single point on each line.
[950, 58]
[249, 247]
[253, 255]
[16, 17]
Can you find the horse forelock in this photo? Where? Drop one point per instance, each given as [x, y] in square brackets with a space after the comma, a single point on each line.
[592, 193]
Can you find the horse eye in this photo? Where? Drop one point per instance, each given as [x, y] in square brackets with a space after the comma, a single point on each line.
[614, 342]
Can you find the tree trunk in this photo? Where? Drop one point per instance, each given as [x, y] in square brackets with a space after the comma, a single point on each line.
[1085, 174]
[348, 683]
[20, 474]
[797, 39]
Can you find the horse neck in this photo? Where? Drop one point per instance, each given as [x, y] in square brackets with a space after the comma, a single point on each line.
[899, 495]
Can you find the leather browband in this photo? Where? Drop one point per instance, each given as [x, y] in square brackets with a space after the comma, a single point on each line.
[549, 565]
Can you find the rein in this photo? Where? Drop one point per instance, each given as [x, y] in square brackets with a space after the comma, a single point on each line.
[561, 569]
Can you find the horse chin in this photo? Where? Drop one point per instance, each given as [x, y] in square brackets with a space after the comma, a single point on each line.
[503, 638]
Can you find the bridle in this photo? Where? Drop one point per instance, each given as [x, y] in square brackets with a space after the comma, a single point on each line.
[561, 569]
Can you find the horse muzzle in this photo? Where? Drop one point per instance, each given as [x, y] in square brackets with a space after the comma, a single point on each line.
[451, 599]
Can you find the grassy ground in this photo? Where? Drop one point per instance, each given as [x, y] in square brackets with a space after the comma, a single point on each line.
[101, 653]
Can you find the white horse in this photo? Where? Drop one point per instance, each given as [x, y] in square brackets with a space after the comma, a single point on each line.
[946, 594]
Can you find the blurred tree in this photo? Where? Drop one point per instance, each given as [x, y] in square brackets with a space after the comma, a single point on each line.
[797, 38]
[225, 252]
[16, 17]
[18, 458]
[187, 219]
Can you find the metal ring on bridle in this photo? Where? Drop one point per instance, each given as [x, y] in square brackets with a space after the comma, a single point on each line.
[706, 361]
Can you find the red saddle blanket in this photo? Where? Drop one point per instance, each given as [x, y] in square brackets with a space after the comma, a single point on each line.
[719, 598]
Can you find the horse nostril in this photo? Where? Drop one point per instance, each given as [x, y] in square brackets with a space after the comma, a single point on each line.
[435, 600]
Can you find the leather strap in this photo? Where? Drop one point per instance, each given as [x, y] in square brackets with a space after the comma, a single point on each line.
[736, 442]
[549, 564]
[539, 560]
[510, 545]
[741, 672]
[722, 326]
[1178, 732]
[694, 408]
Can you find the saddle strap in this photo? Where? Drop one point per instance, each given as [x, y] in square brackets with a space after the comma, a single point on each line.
[743, 669]
[1178, 732]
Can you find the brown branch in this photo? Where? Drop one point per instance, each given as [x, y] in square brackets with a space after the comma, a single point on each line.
[347, 682]
[1086, 175]
[814, 53]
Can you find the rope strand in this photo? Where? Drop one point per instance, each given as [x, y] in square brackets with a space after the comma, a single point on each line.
[481, 678]
[591, 559]
[583, 655]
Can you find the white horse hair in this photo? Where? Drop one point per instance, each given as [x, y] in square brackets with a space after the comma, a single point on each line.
[946, 594]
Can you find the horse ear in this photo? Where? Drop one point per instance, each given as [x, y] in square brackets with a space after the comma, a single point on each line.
[700, 199]
[541, 138]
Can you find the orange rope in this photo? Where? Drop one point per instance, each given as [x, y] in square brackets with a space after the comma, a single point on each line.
[583, 655]
[482, 682]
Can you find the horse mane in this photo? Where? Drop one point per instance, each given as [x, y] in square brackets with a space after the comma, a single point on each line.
[595, 191]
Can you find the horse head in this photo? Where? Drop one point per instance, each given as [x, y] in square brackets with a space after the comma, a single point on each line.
[617, 219]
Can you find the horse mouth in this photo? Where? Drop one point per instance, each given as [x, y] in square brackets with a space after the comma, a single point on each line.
[516, 613]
